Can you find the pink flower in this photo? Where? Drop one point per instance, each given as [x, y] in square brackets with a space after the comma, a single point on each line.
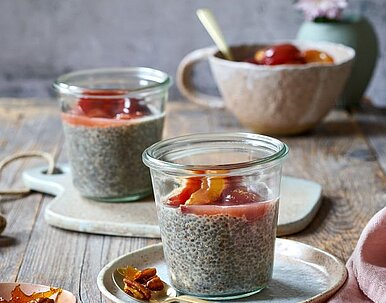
[330, 9]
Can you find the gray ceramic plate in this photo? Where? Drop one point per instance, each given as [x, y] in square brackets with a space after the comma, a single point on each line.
[301, 273]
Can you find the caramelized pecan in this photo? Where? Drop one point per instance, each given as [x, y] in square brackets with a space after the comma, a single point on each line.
[137, 290]
[155, 283]
[145, 275]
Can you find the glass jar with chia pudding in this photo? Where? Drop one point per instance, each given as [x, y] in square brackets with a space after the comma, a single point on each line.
[217, 199]
[109, 117]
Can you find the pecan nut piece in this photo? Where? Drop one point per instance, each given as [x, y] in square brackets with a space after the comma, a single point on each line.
[155, 283]
[145, 275]
[136, 290]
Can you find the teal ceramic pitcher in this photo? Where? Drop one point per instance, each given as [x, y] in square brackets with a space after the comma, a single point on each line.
[358, 33]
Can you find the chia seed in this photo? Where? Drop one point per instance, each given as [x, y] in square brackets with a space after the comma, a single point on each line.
[218, 255]
[106, 159]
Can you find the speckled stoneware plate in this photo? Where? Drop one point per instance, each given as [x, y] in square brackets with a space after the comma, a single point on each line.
[28, 288]
[301, 273]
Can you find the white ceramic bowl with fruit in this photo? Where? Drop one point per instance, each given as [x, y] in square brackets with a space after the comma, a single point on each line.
[272, 91]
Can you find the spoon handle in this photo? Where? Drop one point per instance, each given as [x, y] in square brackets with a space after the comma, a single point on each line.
[208, 20]
[184, 298]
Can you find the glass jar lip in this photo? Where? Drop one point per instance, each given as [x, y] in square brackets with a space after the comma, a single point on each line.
[151, 158]
[62, 83]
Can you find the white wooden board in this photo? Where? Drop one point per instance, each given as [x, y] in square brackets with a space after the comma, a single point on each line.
[300, 201]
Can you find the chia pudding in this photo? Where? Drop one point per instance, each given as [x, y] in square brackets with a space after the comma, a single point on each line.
[105, 154]
[217, 198]
[110, 116]
[217, 250]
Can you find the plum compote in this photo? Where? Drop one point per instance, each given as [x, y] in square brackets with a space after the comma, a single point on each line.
[288, 54]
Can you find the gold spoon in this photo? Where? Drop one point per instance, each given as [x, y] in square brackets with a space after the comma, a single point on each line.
[209, 22]
[168, 294]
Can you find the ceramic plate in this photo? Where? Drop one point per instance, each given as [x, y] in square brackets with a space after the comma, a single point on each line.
[301, 273]
[28, 288]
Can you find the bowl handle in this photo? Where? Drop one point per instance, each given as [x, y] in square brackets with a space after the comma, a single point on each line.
[184, 79]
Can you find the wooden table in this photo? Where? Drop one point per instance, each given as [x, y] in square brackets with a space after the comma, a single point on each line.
[346, 154]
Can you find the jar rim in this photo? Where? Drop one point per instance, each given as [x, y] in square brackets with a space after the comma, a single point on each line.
[160, 80]
[151, 156]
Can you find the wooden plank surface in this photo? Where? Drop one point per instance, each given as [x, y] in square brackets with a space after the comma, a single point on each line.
[346, 154]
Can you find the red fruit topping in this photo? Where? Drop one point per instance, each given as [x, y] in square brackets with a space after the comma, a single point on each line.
[288, 54]
[315, 56]
[134, 109]
[199, 190]
[240, 196]
[98, 108]
[94, 106]
[209, 192]
[250, 211]
[279, 54]
[182, 194]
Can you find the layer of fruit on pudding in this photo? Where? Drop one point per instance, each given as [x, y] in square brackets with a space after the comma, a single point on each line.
[288, 53]
[218, 236]
[105, 139]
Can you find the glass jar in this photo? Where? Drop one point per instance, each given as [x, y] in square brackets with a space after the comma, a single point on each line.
[217, 199]
[109, 117]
